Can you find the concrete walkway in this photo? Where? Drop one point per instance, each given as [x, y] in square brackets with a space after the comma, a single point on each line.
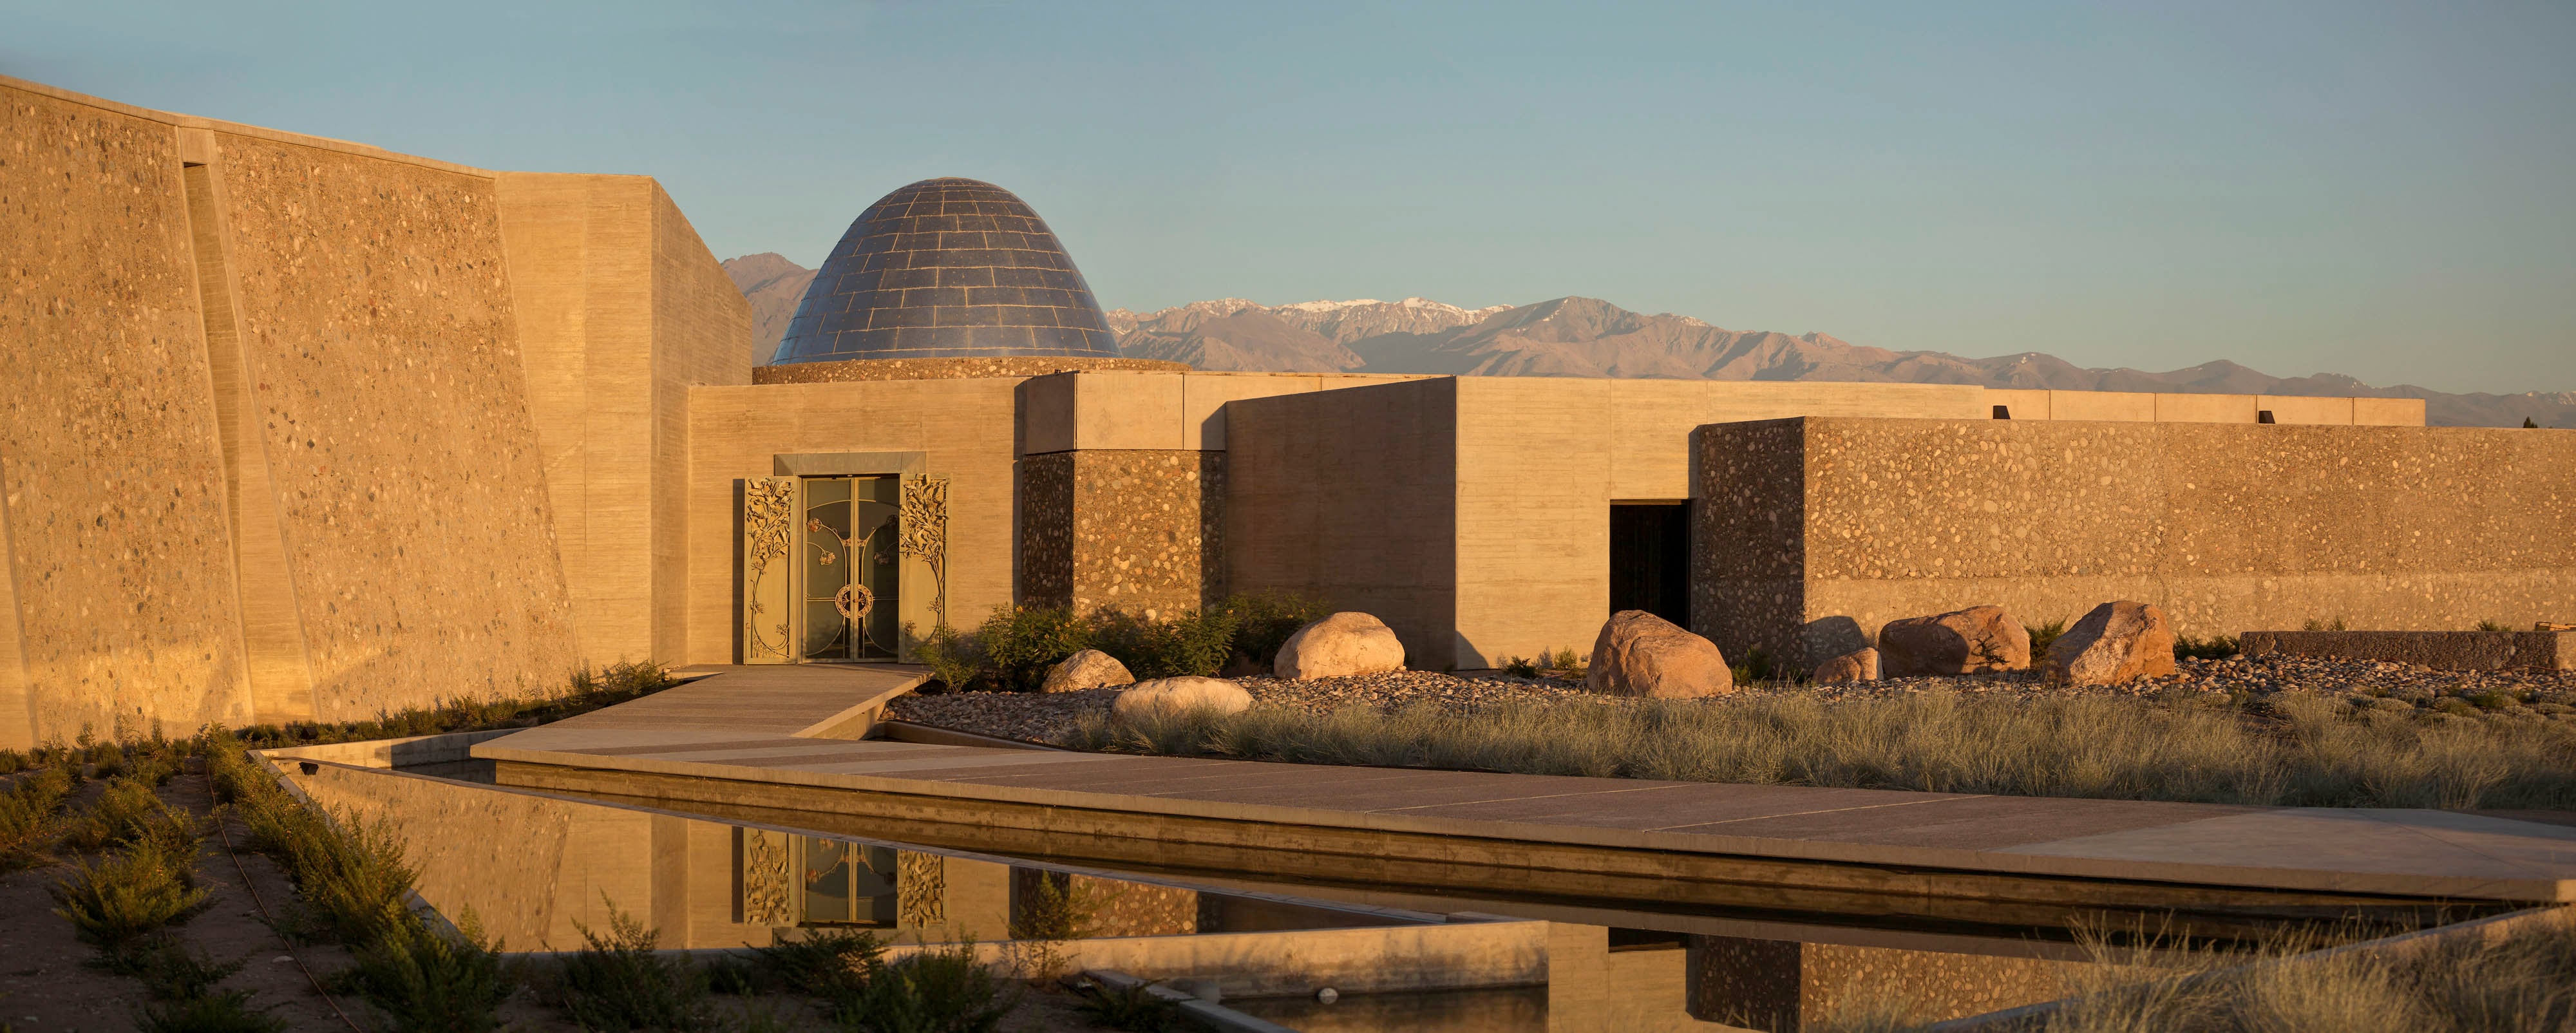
[758, 727]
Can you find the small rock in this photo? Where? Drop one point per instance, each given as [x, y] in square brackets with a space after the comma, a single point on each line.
[1861, 665]
[1339, 646]
[1088, 669]
[2115, 642]
[1175, 695]
[1640, 654]
[1976, 640]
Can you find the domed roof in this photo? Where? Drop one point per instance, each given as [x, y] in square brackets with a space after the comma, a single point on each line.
[946, 268]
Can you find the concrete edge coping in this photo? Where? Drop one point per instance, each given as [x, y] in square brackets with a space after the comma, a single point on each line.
[2535, 889]
[2397, 947]
[934, 735]
[443, 748]
[858, 719]
[1212, 1013]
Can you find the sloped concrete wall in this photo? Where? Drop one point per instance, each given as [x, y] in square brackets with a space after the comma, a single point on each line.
[1812, 533]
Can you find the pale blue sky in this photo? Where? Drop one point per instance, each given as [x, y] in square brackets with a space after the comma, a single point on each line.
[2386, 191]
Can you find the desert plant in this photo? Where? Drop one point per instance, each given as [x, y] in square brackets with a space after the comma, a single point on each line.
[351, 884]
[2215, 647]
[172, 970]
[426, 981]
[1756, 666]
[2314, 624]
[1520, 667]
[1132, 1008]
[31, 818]
[1019, 643]
[2494, 625]
[125, 896]
[1264, 620]
[832, 963]
[617, 982]
[951, 655]
[229, 1011]
[2044, 635]
[945, 990]
[1191, 643]
[2187, 748]
[128, 811]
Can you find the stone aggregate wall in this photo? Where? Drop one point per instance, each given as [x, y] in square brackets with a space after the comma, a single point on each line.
[941, 369]
[1783, 984]
[1810, 534]
[112, 511]
[1137, 531]
[375, 315]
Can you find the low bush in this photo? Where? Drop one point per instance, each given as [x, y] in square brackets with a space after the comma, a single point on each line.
[172, 970]
[2305, 752]
[618, 982]
[125, 896]
[832, 964]
[426, 982]
[1755, 668]
[228, 1011]
[945, 990]
[128, 812]
[1264, 620]
[1134, 1009]
[1021, 643]
[31, 818]
[1192, 643]
[2215, 647]
[586, 691]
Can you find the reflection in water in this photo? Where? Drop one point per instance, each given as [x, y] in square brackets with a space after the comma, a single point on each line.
[533, 868]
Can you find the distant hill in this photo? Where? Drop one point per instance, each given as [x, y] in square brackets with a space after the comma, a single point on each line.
[773, 285]
[1588, 337]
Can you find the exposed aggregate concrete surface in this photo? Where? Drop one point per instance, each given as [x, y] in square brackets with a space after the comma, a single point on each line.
[2491, 695]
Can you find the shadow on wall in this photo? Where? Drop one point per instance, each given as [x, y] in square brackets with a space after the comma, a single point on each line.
[1836, 636]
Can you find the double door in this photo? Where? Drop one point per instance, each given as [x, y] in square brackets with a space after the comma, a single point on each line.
[823, 562]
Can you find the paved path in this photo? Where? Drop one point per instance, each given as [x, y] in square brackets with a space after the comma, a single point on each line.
[759, 725]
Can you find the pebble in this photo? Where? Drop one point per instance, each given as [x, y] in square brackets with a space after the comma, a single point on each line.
[2511, 694]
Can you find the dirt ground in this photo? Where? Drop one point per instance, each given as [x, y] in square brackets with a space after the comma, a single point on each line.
[50, 984]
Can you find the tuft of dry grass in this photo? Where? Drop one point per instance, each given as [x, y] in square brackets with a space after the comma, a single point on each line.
[2305, 751]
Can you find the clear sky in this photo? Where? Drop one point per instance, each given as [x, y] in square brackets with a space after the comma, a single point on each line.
[2338, 186]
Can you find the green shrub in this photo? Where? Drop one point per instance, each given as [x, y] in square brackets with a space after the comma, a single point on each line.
[1756, 667]
[1520, 667]
[31, 818]
[1191, 643]
[2045, 634]
[2492, 625]
[934, 991]
[2215, 647]
[13, 762]
[427, 982]
[126, 896]
[1264, 620]
[1019, 643]
[832, 964]
[171, 970]
[2314, 624]
[226, 1012]
[951, 655]
[617, 982]
[350, 885]
[128, 812]
[1134, 1009]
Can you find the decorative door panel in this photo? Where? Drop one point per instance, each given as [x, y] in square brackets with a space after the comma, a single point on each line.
[770, 507]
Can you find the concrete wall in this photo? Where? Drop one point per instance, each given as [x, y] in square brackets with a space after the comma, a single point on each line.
[269, 448]
[1351, 496]
[963, 430]
[620, 315]
[1810, 534]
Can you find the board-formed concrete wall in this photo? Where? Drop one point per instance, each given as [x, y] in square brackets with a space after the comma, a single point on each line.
[268, 445]
[1809, 534]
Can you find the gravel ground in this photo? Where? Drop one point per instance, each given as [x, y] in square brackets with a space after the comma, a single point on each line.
[2516, 693]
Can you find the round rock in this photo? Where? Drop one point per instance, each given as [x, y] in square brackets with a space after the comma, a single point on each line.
[1340, 646]
[1860, 665]
[1640, 654]
[1172, 696]
[1976, 640]
[1088, 669]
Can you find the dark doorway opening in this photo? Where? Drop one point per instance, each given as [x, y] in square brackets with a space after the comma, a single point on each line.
[1650, 559]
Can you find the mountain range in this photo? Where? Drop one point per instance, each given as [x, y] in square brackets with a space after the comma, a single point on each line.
[1588, 337]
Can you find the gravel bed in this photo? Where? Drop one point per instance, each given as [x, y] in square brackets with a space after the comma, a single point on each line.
[1041, 717]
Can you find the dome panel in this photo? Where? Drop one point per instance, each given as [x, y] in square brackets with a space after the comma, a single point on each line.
[947, 268]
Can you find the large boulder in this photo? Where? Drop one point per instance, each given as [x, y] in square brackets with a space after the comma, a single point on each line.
[2115, 642]
[1861, 665]
[1172, 696]
[1640, 654]
[1339, 645]
[1975, 640]
[1088, 669]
